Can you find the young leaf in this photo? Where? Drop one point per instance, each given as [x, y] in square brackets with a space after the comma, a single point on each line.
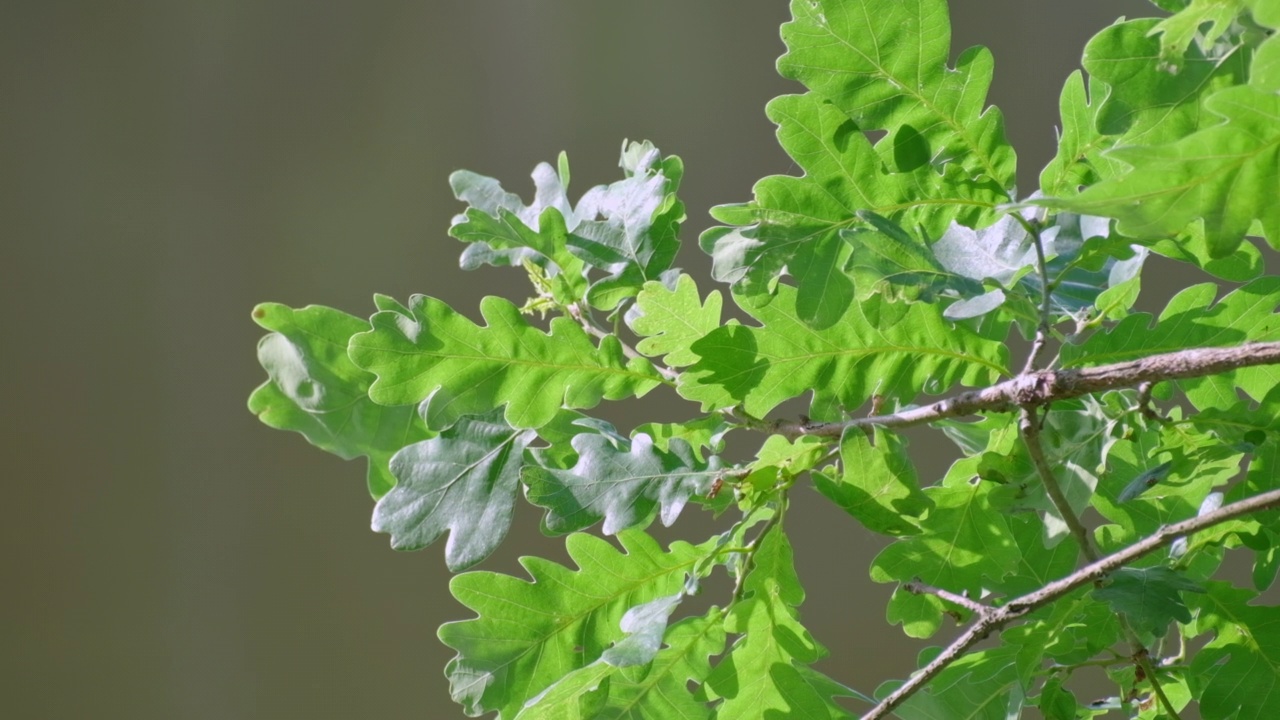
[1247, 314]
[759, 678]
[464, 481]
[530, 634]
[895, 350]
[1237, 675]
[627, 229]
[314, 389]
[429, 352]
[624, 485]
[883, 63]
[601, 691]
[670, 320]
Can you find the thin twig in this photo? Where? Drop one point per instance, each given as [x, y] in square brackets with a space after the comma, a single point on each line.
[1014, 609]
[600, 333]
[1045, 386]
[919, 587]
[1030, 428]
[740, 587]
[1143, 659]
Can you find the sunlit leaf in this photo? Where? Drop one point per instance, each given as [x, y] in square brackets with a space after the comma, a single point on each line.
[530, 634]
[314, 389]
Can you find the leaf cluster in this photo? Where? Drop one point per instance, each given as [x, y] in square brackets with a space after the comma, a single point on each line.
[897, 265]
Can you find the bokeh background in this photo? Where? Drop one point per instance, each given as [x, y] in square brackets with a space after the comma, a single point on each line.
[167, 165]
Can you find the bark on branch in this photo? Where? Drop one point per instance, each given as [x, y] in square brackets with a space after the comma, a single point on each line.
[1035, 389]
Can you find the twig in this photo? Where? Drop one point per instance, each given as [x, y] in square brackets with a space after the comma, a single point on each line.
[1014, 609]
[1030, 428]
[919, 587]
[1143, 660]
[740, 587]
[1043, 328]
[1045, 386]
[600, 333]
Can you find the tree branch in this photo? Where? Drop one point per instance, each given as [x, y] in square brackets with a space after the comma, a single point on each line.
[1040, 388]
[1018, 607]
[600, 333]
[919, 587]
[1030, 429]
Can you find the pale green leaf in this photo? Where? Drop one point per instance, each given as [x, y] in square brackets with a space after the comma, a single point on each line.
[314, 389]
[670, 320]
[892, 349]
[464, 480]
[430, 352]
[530, 634]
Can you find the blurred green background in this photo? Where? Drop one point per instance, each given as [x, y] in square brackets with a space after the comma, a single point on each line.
[167, 165]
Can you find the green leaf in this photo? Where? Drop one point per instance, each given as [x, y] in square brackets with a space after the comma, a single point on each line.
[530, 634]
[891, 349]
[625, 485]
[464, 481]
[670, 320]
[600, 691]
[627, 229]
[983, 685]
[1150, 597]
[883, 63]
[758, 678]
[1178, 32]
[500, 230]
[965, 539]
[1224, 175]
[795, 222]
[429, 352]
[878, 485]
[1237, 675]
[1193, 320]
[314, 389]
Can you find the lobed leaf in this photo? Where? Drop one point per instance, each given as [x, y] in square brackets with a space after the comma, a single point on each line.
[601, 691]
[628, 229]
[670, 320]
[878, 484]
[894, 350]
[528, 634]
[883, 63]
[624, 484]
[1237, 675]
[464, 480]
[429, 352]
[760, 676]
[316, 390]
[1150, 598]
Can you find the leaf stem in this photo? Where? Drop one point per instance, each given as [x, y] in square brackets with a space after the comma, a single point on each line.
[1018, 607]
[1030, 430]
[740, 587]
[589, 324]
